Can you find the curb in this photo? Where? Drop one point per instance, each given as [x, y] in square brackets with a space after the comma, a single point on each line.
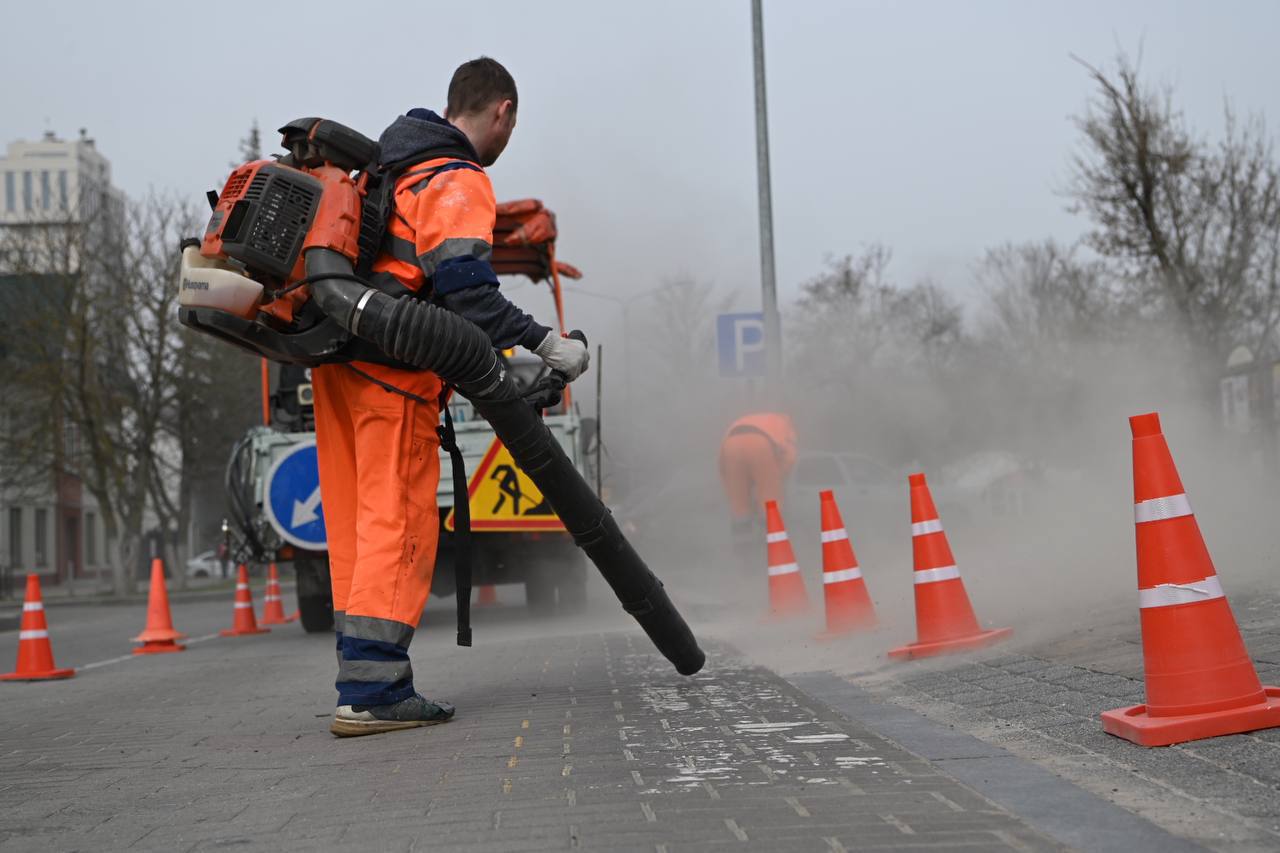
[10, 619]
[1044, 801]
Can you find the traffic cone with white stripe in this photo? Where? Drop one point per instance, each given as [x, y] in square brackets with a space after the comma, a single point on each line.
[159, 636]
[272, 605]
[849, 606]
[945, 621]
[35, 653]
[786, 587]
[244, 622]
[1200, 680]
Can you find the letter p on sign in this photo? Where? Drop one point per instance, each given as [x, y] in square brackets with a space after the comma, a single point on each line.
[740, 345]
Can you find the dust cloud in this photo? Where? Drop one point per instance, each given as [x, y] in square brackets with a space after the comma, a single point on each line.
[1044, 543]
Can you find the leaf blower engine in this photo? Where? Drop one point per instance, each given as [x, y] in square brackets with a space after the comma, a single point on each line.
[281, 271]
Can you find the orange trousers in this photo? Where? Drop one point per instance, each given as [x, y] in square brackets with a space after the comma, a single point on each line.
[751, 474]
[379, 459]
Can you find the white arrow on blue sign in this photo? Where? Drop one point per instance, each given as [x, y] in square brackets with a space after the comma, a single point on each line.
[740, 344]
[292, 491]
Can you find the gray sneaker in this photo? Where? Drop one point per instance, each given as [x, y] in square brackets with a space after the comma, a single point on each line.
[355, 720]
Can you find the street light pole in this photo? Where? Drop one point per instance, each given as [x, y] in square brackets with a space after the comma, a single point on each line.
[768, 282]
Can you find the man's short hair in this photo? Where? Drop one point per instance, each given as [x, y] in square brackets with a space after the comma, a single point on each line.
[477, 84]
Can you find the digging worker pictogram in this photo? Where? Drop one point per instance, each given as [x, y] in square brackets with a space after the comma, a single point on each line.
[509, 486]
[376, 435]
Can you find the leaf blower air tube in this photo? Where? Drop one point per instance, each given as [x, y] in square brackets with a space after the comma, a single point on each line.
[455, 349]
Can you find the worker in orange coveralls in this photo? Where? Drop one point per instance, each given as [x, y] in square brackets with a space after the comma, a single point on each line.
[756, 458]
[376, 425]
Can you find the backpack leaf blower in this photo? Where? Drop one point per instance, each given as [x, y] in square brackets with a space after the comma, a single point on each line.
[276, 273]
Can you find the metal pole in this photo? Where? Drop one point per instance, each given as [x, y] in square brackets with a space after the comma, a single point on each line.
[768, 283]
[599, 418]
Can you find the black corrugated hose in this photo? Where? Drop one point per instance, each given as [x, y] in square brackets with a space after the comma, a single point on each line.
[454, 348]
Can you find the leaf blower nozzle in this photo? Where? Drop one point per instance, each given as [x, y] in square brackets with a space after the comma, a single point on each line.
[429, 337]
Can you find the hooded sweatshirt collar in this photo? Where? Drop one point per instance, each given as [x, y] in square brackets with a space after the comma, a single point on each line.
[423, 135]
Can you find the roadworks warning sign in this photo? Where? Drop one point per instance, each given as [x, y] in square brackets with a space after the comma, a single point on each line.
[503, 498]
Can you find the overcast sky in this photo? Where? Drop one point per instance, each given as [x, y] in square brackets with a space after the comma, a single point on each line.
[937, 128]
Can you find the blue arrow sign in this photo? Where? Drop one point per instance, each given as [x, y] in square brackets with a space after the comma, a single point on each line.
[292, 491]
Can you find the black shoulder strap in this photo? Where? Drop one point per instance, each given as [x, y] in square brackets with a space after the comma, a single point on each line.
[461, 503]
[461, 521]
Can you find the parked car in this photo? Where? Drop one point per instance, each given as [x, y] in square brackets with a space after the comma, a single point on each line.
[204, 565]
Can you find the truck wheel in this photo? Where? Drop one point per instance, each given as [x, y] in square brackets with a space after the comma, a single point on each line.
[540, 590]
[572, 585]
[315, 595]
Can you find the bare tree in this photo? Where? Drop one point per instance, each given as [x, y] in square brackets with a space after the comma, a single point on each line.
[1042, 298]
[852, 321]
[250, 146]
[871, 356]
[148, 409]
[1194, 228]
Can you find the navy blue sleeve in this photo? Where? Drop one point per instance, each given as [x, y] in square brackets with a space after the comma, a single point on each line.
[504, 323]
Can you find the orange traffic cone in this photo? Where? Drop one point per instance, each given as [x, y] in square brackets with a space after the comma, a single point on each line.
[35, 653]
[272, 604]
[1200, 680]
[786, 587]
[849, 606]
[244, 622]
[487, 596]
[945, 621]
[158, 637]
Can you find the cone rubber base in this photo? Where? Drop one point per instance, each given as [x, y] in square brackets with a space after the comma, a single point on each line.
[943, 647]
[1133, 723]
[165, 637]
[159, 647]
[232, 632]
[47, 675]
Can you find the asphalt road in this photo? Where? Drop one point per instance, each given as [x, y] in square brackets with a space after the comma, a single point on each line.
[569, 735]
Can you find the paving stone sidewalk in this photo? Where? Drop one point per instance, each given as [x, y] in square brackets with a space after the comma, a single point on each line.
[1042, 702]
[585, 742]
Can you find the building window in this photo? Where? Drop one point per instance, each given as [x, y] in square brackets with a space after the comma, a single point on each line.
[10, 193]
[15, 538]
[42, 538]
[26, 191]
[62, 189]
[71, 544]
[90, 537]
[46, 189]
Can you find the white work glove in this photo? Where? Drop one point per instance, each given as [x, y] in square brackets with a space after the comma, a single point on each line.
[566, 355]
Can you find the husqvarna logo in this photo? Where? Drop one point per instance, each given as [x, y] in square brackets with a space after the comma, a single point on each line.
[192, 284]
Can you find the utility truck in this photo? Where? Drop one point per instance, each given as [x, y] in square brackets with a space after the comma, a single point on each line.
[273, 485]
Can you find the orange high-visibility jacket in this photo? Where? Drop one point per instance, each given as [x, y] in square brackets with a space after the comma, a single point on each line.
[439, 238]
[777, 427]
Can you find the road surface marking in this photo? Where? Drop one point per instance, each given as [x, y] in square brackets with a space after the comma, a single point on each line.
[123, 658]
[893, 821]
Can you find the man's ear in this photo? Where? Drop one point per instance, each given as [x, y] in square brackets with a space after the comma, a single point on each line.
[505, 110]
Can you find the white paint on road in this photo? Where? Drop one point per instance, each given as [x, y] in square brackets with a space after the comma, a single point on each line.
[123, 658]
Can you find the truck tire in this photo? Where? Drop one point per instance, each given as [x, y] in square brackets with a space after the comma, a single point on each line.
[572, 585]
[315, 595]
[540, 590]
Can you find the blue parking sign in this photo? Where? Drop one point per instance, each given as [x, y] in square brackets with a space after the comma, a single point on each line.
[292, 498]
[740, 345]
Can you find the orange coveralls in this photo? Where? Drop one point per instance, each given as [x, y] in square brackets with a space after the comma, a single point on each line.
[379, 454]
[756, 457]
